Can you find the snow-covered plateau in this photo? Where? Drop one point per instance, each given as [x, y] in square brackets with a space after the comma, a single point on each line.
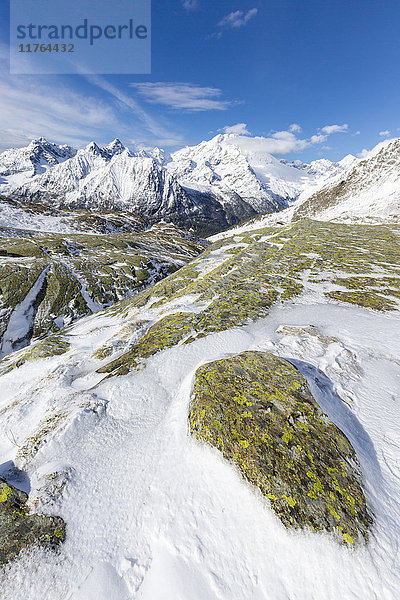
[96, 428]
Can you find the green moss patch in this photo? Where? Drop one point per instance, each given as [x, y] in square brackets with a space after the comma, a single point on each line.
[166, 333]
[258, 411]
[19, 529]
[276, 265]
[54, 345]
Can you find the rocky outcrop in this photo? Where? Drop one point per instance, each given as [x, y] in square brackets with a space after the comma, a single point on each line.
[19, 529]
[51, 280]
[257, 409]
[238, 279]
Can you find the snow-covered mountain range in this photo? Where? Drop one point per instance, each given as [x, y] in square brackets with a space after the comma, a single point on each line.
[208, 187]
[19, 165]
[231, 165]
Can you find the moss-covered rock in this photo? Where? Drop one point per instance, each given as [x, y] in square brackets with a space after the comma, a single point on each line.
[261, 268]
[81, 273]
[164, 334]
[257, 409]
[54, 345]
[19, 529]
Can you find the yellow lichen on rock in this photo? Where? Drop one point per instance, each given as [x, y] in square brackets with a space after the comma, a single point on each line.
[257, 409]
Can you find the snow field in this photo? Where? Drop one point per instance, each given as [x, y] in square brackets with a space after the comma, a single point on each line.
[153, 515]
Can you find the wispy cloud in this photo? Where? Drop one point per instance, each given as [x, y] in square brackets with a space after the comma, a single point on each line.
[30, 108]
[182, 96]
[295, 128]
[329, 129]
[384, 133]
[283, 142]
[237, 19]
[239, 129]
[190, 5]
[318, 138]
[151, 124]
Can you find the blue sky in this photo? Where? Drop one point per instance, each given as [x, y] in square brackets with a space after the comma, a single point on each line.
[314, 77]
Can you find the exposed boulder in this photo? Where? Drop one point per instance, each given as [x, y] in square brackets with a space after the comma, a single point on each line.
[19, 529]
[257, 409]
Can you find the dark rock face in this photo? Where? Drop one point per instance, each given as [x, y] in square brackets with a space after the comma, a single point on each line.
[19, 529]
[257, 409]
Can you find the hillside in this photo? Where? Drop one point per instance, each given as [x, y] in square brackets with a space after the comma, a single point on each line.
[369, 191]
[50, 280]
[99, 423]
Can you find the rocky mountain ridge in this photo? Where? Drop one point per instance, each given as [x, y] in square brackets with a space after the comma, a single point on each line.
[368, 191]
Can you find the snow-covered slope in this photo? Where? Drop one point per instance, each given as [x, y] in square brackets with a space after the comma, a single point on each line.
[231, 164]
[369, 191]
[150, 513]
[19, 165]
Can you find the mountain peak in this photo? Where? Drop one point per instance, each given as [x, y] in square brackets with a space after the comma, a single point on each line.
[116, 146]
[93, 148]
[39, 142]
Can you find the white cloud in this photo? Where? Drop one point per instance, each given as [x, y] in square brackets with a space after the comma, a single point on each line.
[363, 154]
[32, 107]
[127, 101]
[318, 139]
[182, 96]
[239, 129]
[283, 142]
[237, 19]
[384, 133]
[32, 110]
[295, 128]
[190, 4]
[357, 133]
[329, 129]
